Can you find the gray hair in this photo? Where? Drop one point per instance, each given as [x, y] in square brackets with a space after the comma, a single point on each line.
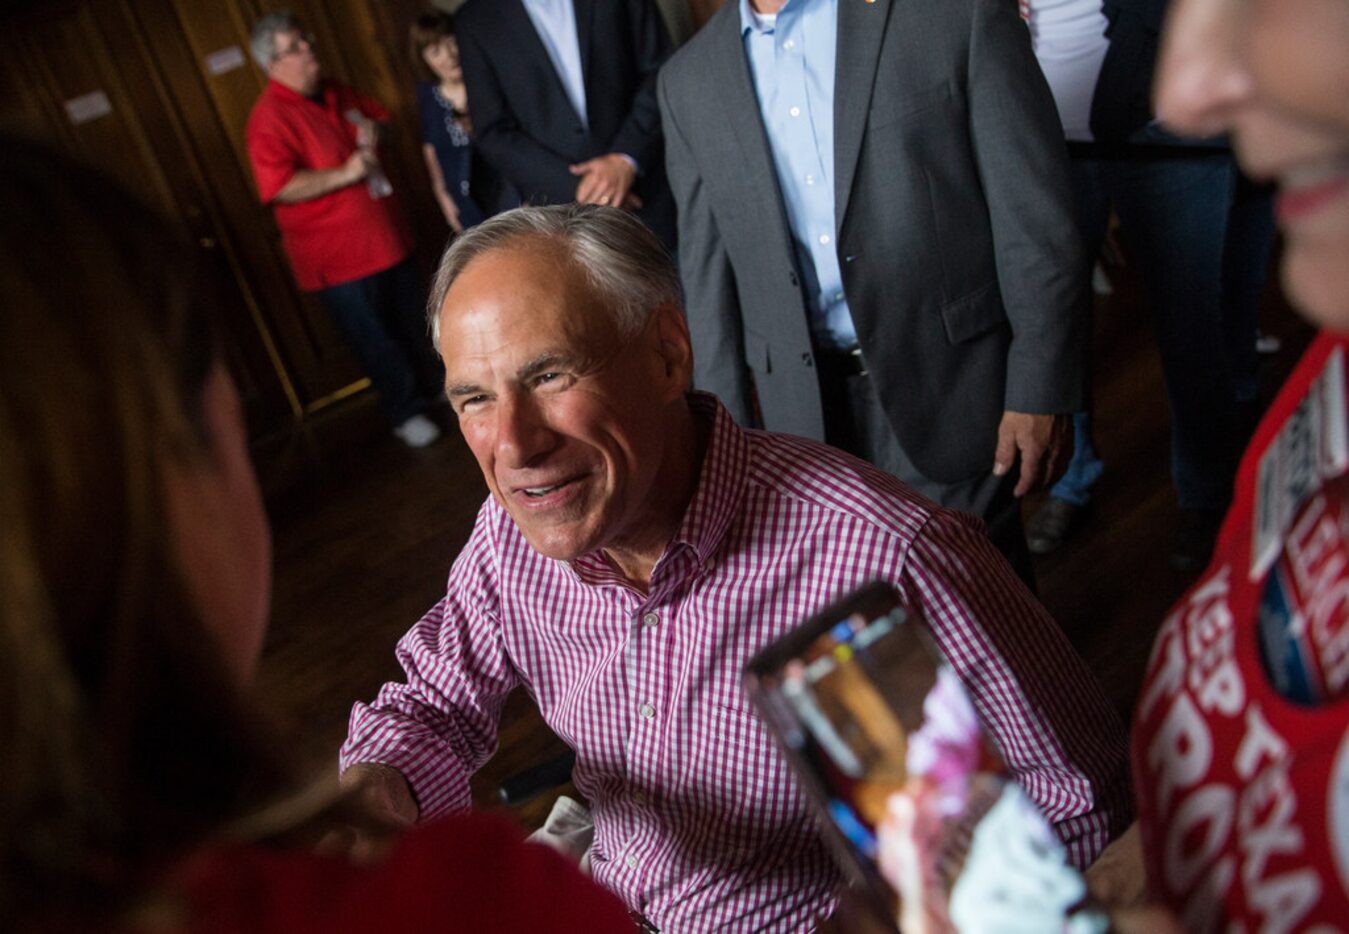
[622, 260]
[262, 41]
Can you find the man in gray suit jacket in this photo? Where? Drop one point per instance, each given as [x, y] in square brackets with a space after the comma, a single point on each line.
[876, 238]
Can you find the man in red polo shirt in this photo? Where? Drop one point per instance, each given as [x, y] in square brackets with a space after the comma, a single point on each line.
[312, 145]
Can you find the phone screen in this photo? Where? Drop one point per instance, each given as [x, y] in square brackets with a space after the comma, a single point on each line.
[912, 794]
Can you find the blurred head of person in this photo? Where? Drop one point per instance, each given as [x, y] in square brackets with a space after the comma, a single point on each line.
[134, 550]
[1275, 75]
[284, 50]
[434, 49]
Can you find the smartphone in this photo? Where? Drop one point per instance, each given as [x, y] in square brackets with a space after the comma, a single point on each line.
[910, 791]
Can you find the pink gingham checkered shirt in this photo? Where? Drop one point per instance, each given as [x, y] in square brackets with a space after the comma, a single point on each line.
[699, 824]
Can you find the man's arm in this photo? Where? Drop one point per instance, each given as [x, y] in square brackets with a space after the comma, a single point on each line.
[710, 300]
[1062, 740]
[439, 725]
[279, 168]
[1022, 163]
[308, 184]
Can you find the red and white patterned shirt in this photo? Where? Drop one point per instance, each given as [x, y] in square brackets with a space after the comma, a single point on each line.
[698, 822]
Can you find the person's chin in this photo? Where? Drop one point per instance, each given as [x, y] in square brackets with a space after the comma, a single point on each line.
[560, 545]
[1316, 279]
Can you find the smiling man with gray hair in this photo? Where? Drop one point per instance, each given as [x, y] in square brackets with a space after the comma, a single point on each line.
[638, 547]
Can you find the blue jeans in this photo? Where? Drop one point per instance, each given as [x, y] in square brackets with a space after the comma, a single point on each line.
[383, 318]
[1085, 467]
[1173, 204]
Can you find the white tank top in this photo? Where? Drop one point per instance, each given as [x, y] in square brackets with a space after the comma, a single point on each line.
[1069, 40]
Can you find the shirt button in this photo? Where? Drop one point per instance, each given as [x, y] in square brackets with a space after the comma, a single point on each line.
[789, 44]
[632, 860]
[838, 296]
[647, 711]
[795, 111]
[651, 619]
[824, 239]
[639, 797]
[810, 179]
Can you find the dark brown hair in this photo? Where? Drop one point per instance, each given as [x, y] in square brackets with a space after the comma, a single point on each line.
[125, 741]
[427, 29]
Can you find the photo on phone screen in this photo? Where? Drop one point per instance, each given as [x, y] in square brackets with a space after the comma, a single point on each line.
[913, 796]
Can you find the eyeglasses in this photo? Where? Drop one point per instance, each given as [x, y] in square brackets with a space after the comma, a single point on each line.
[301, 43]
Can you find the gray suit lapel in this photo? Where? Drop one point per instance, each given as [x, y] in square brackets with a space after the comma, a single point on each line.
[861, 27]
[734, 91]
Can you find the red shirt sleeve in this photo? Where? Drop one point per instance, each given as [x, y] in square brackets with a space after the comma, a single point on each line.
[273, 154]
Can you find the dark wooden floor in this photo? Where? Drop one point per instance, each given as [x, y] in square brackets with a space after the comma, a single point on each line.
[366, 529]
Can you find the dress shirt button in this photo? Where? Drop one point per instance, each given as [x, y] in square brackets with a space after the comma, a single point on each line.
[810, 179]
[647, 711]
[632, 860]
[789, 44]
[824, 239]
[639, 797]
[838, 296]
[795, 111]
[651, 618]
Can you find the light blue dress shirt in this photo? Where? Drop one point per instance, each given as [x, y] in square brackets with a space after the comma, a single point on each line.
[555, 22]
[791, 58]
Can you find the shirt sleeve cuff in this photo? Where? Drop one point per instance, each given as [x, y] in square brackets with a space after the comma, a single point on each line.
[438, 781]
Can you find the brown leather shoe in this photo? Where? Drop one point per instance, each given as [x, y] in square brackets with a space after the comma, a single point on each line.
[1051, 525]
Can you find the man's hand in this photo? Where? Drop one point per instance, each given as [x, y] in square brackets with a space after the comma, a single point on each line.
[1043, 442]
[1117, 882]
[357, 166]
[382, 806]
[367, 130]
[307, 184]
[1117, 879]
[605, 179]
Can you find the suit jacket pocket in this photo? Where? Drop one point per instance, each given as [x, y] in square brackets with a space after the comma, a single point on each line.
[973, 314]
[888, 106]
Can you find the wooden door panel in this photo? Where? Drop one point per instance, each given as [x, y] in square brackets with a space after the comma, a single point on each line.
[69, 59]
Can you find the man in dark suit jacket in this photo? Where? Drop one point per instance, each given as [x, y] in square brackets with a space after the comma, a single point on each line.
[951, 223]
[563, 101]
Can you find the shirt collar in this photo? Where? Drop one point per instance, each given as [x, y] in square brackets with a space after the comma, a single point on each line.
[278, 89]
[747, 20]
[720, 492]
